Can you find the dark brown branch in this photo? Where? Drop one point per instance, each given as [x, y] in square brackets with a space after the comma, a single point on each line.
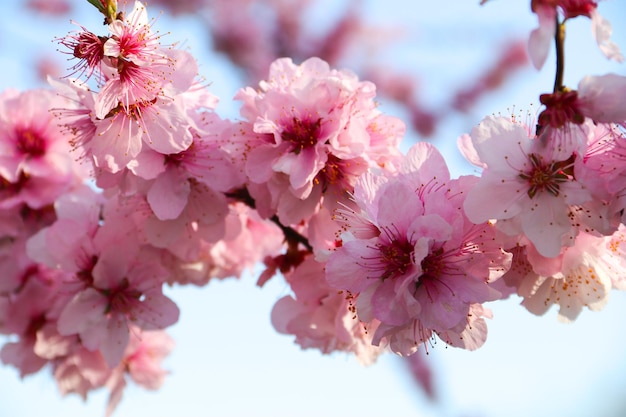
[291, 235]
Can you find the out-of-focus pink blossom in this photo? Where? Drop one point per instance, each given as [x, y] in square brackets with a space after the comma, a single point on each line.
[601, 98]
[35, 165]
[50, 7]
[142, 362]
[547, 12]
[81, 372]
[322, 318]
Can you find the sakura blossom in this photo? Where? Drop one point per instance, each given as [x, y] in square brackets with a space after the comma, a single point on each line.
[35, 165]
[138, 100]
[142, 362]
[599, 97]
[583, 279]
[122, 293]
[533, 183]
[404, 268]
[313, 131]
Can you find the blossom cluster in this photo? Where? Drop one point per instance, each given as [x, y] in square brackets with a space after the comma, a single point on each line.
[124, 180]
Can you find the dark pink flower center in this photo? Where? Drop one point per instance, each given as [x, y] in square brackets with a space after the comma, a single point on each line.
[30, 143]
[176, 159]
[8, 188]
[333, 173]
[85, 275]
[396, 257]
[133, 111]
[89, 47]
[122, 299]
[133, 43]
[302, 133]
[547, 177]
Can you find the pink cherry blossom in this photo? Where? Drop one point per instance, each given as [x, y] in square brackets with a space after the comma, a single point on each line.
[322, 318]
[88, 49]
[35, 165]
[67, 244]
[148, 96]
[124, 291]
[313, 130]
[247, 240]
[540, 38]
[601, 170]
[132, 40]
[142, 362]
[404, 267]
[602, 31]
[583, 280]
[202, 164]
[24, 313]
[81, 372]
[527, 183]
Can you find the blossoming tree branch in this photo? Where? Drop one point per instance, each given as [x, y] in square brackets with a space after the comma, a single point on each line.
[122, 178]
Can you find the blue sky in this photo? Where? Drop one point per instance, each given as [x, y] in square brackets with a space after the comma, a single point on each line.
[230, 362]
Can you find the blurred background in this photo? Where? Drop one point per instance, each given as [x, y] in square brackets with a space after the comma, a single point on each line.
[440, 66]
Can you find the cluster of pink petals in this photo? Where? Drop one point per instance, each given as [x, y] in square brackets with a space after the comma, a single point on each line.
[413, 261]
[321, 317]
[146, 95]
[35, 164]
[310, 131]
[81, 296]
[557, 197]
[380, 250]
[582, 276]
[525, 184]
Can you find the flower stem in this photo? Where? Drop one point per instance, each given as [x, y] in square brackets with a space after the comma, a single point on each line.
[559, 40]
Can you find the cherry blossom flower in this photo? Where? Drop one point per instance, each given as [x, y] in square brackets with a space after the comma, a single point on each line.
[142, 362]
[202, 163]
[124, 291]
[113, 134]
[601, 170]
[24, 313]
[80, 372]
[583, 279]
[313, 131]
[88, 49]
[35, 166]
[404, 268]
[526, 183]
[67, 244]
